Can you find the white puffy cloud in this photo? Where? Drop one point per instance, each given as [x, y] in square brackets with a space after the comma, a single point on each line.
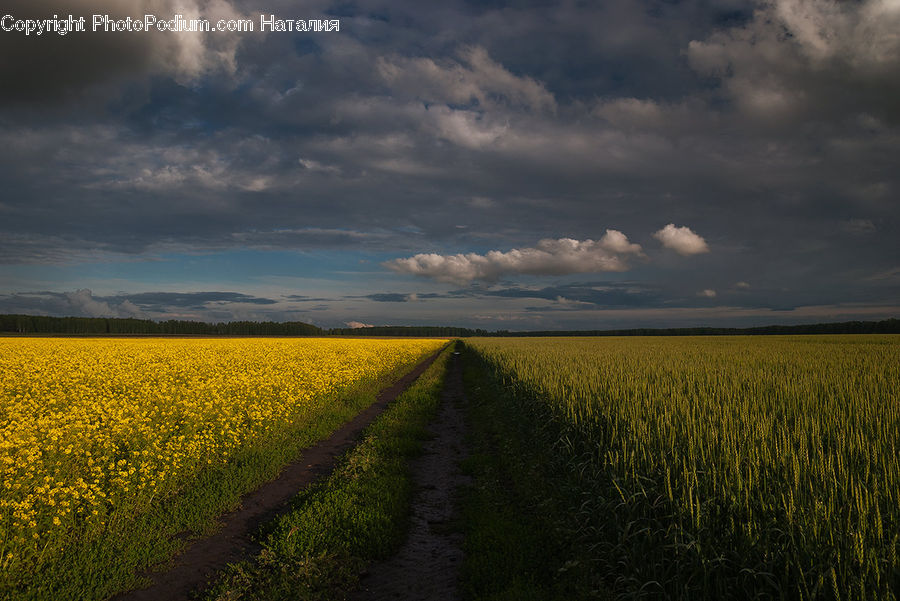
[358, 324]
[682, 240]
[707, 293]
[82, 303]
[864, 34]
[549, 257]
[631, 112]
[465, 128]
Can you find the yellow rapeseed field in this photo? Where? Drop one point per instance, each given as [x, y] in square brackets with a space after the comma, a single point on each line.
[92, 430]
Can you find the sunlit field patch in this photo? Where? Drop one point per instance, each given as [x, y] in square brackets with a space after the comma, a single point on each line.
[94, 431]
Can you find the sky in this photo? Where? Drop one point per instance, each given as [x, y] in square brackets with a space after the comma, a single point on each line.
[500, 165]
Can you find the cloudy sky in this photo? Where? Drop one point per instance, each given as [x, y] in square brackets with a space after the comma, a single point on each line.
[521, 165]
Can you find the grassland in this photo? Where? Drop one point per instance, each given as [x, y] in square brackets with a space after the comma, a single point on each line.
[110, 447]
[686, 468]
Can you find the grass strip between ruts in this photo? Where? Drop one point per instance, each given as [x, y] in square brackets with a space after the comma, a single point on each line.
[360, 513]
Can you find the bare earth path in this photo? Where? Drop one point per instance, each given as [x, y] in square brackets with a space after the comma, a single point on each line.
[233, 541]
[427, 566]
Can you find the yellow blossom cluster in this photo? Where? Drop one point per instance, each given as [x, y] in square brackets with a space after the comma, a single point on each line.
[91, 426]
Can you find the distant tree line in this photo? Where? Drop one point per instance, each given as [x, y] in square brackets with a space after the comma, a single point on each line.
[887, 326]
[435, 331]
[42, 324]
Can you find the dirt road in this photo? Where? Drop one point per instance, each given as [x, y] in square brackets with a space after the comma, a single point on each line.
[427, 566]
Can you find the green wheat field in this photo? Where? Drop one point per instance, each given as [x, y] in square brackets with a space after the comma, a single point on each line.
[706, 466]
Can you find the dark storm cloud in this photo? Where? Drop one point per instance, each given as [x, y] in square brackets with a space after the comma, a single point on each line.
[304, 299]
[604, 295]
[192, 300]
[388, 297]
[839, 61]
[662, 294]
[84, 302]
[311, 237]
[396, 297]
[79, 303]
[50, 68]
[768, 129]
[598, 294]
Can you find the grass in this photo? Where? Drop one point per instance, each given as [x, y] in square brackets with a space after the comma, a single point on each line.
[360, 513]
[515, 515]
